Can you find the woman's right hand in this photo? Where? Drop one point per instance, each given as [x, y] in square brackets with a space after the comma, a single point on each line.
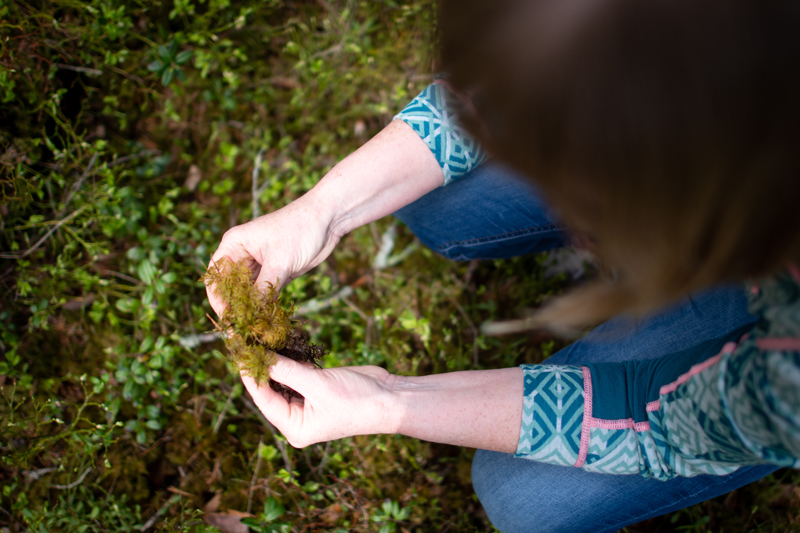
[281, 245]
[390, 171]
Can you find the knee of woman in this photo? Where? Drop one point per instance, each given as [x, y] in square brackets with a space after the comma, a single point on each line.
[484, 480]
[490, 480]
[521, 496]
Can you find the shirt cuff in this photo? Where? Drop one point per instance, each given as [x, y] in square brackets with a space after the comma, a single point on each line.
[552, 414]
[434, 114]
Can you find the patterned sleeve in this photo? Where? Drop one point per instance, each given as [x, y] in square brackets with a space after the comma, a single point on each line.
[707, 410]
[433, 114]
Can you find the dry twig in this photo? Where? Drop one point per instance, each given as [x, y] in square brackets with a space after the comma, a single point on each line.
[221, 416]
[76, 187]
[74, 483]
[278, 442]
[255, 474]
[46, 236]
[163, 509]
[92, 71]
[255, 189]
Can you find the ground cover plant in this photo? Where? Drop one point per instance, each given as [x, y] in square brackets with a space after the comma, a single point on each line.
[132, 135]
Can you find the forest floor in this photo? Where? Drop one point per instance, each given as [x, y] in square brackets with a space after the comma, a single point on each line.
[134, 133]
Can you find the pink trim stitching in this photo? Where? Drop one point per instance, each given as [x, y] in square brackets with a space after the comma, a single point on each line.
[781, 344]
[625, 423]
[587, 417]
[794, 270]
[655, 405]
[696, 369]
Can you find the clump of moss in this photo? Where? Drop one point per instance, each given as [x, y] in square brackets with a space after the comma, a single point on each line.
[257, 325]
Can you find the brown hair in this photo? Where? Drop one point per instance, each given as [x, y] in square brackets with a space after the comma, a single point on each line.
[666, 130]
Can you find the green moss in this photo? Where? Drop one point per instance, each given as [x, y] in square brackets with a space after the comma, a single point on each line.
[256, 325]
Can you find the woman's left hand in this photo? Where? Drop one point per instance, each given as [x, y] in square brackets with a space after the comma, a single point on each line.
[339, 402]
[477, 409]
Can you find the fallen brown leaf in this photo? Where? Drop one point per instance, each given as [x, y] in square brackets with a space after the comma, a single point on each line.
[284, 82]
[213, 504]
[332, 513]
[193, 178]
[228, 521]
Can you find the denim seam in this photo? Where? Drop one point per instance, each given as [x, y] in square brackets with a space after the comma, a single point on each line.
[497, 238]
[651, 513]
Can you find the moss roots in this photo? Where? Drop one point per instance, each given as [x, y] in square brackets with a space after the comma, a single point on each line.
[256, 325]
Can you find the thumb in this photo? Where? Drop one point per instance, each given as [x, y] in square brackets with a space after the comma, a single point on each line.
[294, 375]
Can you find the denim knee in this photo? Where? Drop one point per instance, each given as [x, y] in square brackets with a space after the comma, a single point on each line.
[491, 484]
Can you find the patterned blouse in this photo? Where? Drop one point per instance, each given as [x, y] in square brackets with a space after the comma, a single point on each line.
[726, 403]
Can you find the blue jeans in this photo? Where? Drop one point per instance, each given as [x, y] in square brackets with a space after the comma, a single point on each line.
[491, 214]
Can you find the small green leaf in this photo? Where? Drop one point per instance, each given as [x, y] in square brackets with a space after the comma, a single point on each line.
[148, 296]
[135, 254]
[180, 74]
[169, 277]
[155, 66]
[166, 77]
[272, 509]
[146, 344]
[147, 272]
[126, 305]
[184, 56]
[159, 286]
[163, 53]
[267, 452]
[13, 357]
[251, 522]
[153, 424]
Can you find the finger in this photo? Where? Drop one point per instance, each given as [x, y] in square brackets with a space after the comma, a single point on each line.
[272, 277]
[235, 253]
[231, 248]
[270, 403]
[295, 375]
[217, 303]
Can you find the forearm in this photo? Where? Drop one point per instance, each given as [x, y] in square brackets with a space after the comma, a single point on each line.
[477, 409]
[389, 172]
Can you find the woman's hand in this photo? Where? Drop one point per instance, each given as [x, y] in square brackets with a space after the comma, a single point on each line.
[281, 245]
[389, 172]
[339, 402]
[478, 409]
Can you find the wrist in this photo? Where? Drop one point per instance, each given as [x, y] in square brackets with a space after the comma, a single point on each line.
[395, 405]
[334, 197]
[390, 171]
[477, 409]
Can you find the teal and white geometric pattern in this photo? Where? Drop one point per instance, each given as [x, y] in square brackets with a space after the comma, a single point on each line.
[552, 414]
[433, 115]
[769, 428]
[612, 451]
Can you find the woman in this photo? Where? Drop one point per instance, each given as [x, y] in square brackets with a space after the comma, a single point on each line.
[666, 131]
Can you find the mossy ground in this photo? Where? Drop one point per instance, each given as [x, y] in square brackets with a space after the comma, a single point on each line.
[117, 183]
